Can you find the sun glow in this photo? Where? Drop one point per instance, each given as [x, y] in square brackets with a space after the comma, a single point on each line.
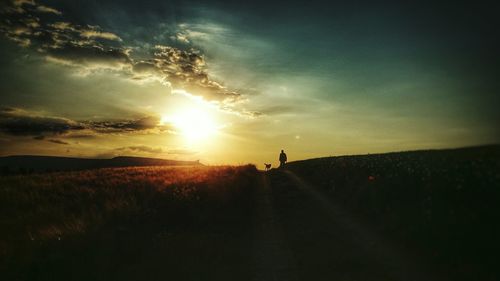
[195, 125]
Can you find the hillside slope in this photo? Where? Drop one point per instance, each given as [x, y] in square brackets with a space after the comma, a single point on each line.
[437, 204]
[28, 163]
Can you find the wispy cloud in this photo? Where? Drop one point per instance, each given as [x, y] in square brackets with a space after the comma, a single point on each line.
[45, 9]
[142, 148]
[155, 150]
[180, 37]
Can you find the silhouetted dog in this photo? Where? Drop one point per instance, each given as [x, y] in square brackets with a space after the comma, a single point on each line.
[268, 166]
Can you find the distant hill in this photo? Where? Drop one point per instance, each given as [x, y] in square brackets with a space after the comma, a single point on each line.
[30, 163]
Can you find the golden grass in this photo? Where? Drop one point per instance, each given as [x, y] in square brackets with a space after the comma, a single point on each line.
[56, 205]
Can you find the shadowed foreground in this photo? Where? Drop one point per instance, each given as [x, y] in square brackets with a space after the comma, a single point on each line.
[185, 223]
[380, 217]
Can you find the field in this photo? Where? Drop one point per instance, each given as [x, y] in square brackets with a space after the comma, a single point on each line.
[125, 223]
[424, 215]
[440, 206]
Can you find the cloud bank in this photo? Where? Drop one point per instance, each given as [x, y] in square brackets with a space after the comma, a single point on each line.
[19, 122]
[89, 48]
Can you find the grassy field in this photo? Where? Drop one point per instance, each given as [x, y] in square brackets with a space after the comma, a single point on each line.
[126, 223]
[442, 205]
[319, 219]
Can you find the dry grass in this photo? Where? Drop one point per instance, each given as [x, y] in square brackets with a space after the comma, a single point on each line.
[145, 201]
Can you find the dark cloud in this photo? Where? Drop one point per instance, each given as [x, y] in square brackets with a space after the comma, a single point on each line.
[90, 57]
[82, 135]
[18, 122]
[145, 123]
[90, 48]
[58, 141]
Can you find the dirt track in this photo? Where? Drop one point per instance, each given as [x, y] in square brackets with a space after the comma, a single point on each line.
[301, 235]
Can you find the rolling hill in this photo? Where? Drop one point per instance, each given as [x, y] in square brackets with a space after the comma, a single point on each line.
[31, 163]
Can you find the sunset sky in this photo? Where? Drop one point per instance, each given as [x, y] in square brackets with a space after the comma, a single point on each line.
[233, 83]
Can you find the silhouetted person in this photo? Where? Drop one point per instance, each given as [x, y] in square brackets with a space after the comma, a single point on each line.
[282, 159]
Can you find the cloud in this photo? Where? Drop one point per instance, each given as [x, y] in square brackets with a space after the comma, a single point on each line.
[180, 37]
[19, 122]
[141, 124]
[90, 33]
[22, 2]
[58, 141]
[63, 42]
[89, 57]
[184, 70]
[278, 109]
[17, 5]
[142, 148]
[45, 9]
[156, 150]
[91, 49]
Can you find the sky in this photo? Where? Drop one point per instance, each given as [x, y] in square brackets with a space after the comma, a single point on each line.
[233, 83]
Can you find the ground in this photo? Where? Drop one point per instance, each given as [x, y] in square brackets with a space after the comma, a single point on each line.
[356, 218]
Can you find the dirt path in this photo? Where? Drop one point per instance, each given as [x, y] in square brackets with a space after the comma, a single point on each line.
[273, 257]
[304, 236]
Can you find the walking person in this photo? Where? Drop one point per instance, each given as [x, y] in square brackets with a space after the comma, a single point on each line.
[283, 159]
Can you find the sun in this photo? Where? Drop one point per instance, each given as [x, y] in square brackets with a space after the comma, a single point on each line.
[194, 124]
